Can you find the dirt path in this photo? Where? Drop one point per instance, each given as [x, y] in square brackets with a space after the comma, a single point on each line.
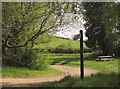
[72, 71]
[26, 82]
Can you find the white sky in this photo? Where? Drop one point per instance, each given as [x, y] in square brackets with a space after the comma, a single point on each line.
[72, 28]
[69, 33]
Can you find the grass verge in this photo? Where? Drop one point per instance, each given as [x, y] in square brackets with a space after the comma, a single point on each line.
[24, 72]
[98, 80]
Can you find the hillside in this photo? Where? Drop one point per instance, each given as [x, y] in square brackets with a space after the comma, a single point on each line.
[52, 42]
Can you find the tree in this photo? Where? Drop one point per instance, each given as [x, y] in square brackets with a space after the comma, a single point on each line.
[29, 20]
[24, 22]
[101, 25]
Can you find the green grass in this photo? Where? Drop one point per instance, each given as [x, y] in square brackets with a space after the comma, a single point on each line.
[104, 67]
[107, 77]
[98, 80]
[89, 62]
[24, 72]
[55, 42]
[65, 59]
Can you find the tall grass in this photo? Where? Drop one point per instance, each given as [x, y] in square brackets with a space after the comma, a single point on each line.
[98, 80]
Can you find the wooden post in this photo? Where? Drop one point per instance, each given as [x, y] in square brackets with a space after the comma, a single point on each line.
[81, 55]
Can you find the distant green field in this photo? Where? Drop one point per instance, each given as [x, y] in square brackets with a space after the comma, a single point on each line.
[56, 42]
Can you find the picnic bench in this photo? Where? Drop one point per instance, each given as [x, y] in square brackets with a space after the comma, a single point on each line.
[104, 58]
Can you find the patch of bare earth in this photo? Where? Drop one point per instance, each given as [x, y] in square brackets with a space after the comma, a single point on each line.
[68, 71]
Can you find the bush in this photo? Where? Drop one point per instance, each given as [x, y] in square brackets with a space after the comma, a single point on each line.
[41, 62]
[68, 50]
[28, 59]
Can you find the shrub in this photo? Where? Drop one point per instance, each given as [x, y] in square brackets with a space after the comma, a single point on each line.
[41, 62]
[28, 59]
[68, 50]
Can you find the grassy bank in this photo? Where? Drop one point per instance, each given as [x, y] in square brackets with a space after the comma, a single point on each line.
[46, 42]
[98, 80]
[24, 72]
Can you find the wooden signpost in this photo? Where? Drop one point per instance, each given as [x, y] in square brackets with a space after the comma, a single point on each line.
[81, 55]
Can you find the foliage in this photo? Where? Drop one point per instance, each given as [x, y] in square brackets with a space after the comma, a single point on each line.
[22, 23]
[18, 57]
[41, 62]
[101, 26]
[30, 59]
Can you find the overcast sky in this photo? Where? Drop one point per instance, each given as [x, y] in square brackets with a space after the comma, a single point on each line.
[72, 28]
[69, 33]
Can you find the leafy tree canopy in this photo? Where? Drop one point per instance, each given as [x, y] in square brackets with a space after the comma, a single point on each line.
[102, 25]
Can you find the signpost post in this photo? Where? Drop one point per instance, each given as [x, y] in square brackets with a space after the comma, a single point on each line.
[81, 55]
